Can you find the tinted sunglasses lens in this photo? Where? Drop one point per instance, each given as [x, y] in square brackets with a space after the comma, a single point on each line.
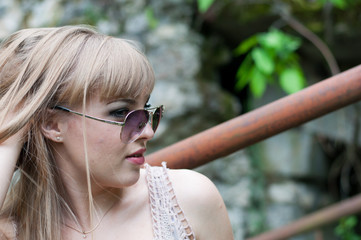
[134, 125]
[156, 118]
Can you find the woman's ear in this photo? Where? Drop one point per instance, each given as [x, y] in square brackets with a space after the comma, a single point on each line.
[51, 126]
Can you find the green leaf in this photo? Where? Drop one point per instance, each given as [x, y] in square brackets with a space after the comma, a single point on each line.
[246, 45]
[257, 83]
[263, 60]
[242, 80]
[346, 228]
[342, 4]
[152, 21]
[243, 73]
[203, 5]
[339, 230]
[279, 41]
[292, 43]
[292, 80]
[350, 222]
[272, 39]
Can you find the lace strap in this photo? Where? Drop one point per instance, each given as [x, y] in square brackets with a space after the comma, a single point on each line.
[168, 218]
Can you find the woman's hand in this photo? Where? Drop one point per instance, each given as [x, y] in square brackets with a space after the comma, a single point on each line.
[9, 153]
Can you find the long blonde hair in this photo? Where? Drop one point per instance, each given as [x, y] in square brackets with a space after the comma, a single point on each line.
[38, 69]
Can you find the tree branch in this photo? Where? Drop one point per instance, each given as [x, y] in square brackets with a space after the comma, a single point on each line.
[305, 32]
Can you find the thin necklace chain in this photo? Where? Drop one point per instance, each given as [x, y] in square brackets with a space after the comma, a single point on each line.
[83, 232]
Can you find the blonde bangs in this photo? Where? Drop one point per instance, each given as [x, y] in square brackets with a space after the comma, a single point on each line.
[127, 72]
[114, 68]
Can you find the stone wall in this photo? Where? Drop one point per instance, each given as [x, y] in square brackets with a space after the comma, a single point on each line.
[265, 186]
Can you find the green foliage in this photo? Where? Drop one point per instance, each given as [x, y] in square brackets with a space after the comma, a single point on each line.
[152, 21]
[270, 56]
[291, 79]
[92, 15]
[342, 4]
[256, 223]
[346, 229]
[203, 5]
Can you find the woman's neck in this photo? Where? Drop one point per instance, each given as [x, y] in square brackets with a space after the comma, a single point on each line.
[86, 212]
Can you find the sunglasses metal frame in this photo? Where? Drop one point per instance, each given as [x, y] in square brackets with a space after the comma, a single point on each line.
[110, 121]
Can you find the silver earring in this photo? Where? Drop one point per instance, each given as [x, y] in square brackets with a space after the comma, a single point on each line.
[58, 138]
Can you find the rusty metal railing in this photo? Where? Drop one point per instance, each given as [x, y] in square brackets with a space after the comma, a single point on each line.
[315, 220]
[291, 111]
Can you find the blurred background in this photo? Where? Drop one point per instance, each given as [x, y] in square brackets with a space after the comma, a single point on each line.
[218, 59]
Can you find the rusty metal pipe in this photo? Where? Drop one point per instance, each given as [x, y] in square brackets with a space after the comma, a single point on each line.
[288, 112]
[315, 220]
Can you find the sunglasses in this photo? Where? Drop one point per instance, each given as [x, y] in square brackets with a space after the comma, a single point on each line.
[134, 123]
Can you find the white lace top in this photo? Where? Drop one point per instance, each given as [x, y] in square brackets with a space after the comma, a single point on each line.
[169, 222]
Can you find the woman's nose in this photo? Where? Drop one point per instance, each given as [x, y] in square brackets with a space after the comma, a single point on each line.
[148, 132]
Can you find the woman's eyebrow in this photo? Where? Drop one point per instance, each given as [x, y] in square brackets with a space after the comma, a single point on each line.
[126, 100]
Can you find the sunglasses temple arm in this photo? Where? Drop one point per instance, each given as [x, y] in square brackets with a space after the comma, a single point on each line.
[90, 117]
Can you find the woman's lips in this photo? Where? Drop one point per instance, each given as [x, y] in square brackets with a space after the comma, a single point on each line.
[137, 157]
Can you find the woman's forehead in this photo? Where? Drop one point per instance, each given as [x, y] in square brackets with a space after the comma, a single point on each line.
[130, 99]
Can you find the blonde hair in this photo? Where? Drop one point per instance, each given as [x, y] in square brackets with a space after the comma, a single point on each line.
[38, 69]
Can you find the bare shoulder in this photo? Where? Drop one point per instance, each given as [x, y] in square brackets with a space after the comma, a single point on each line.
[7, 231]
[190, 184]
[202, 204]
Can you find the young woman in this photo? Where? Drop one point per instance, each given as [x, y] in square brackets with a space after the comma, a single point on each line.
[74, 125]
